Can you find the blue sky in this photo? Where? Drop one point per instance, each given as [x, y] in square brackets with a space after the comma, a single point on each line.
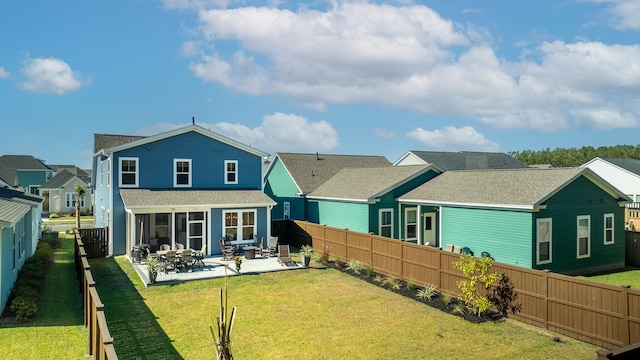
[375, 78]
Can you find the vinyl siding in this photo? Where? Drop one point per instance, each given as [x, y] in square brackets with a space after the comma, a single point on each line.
[343, 215]
[506, 235]
[583, 197]
[280, 187]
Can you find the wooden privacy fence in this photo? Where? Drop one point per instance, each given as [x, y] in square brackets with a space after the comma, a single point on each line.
[96, 242]
[100, 341]
[604, 315]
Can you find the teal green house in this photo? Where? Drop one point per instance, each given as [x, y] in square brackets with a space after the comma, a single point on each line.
[567, 220]
[292, 176]
[366, 199]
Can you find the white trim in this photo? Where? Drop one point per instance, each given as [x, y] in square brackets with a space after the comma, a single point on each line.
[588, 218]
[227, 172]
[239, 225]
[406, 224]
[175, 173]
[550, 241]
[136, 173]
[612, 229]
[380, 211]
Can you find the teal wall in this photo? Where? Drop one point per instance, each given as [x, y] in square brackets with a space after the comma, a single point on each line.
[280, 187]
[343, 215]
[582, 198]
[506, 235]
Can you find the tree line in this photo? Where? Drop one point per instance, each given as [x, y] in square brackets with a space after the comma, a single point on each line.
[561, 157]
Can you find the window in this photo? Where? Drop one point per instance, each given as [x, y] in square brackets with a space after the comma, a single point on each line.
[287, 210]
[128, 172]
[162, 225]
[584, 236]
[230, 172]
[410, 224]
[70, 200]
[182, 173]
[608, 229]
[240, 223]
[386, 222]
[543, 236]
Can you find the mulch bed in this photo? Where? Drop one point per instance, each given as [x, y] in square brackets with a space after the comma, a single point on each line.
[437, 302]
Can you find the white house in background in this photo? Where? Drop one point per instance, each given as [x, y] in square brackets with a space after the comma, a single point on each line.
[624, 174]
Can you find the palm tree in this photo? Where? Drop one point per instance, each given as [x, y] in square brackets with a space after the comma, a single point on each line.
[79, 194]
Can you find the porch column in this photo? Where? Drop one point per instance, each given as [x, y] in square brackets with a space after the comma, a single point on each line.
[419, 228]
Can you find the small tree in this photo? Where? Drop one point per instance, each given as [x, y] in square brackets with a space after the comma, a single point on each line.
[79, 194]
[504, 298]
[478, 272]
[224, 324]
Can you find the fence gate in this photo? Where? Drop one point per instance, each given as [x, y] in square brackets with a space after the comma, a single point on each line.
[96, 242]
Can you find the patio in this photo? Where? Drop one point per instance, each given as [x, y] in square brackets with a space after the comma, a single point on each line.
[215, 267]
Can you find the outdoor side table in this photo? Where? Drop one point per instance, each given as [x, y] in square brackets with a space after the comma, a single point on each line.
[250, 252]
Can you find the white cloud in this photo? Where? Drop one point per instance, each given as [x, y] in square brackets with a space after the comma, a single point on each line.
[4, 74]
[52, 76]
[625, 13]
[451, 138]
[384, 133]
[410, 57]
[277, 132]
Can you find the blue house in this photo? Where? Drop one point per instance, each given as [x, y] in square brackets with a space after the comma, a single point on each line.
[20, 228]
[189, 186]
[567, 220]
[292, 176]
[24, 172]
[365, 199]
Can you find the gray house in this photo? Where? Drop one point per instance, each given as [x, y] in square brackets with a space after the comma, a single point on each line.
[463, 160]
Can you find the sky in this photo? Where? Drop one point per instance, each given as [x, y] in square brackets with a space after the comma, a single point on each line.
[337, 77]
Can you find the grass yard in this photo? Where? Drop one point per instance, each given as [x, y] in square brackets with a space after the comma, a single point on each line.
[305, 314]
[58, 331]
[627, 276]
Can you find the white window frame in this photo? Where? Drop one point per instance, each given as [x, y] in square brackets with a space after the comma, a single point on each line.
[406, 223]
[240, 225]
[176, 172]
[70, 198]
[611, 229]
[136, 173]
[539, 240]
[380, 225]
[588, 254]
[227, 172]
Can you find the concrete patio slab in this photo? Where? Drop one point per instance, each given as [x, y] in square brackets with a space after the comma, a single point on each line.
[214, 267]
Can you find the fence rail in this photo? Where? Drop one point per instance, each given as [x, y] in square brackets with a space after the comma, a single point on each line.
[100, 341]
[604, 315]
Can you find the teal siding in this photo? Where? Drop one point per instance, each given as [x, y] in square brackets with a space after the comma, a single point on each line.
[582, 197]
[506, 235]
[280, 187]
[343, 215]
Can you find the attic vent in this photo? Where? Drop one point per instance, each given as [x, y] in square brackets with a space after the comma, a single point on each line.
[318, 157]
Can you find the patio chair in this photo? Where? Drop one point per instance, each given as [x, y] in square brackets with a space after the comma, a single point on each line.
[169, 261]
[227, 251]
[165, 247]
[198, 256]
[184, 263]
[284, 255]
[179, 246]
[270, 250]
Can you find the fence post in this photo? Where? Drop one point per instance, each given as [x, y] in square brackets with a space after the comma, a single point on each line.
[545, 291]
[624, 305]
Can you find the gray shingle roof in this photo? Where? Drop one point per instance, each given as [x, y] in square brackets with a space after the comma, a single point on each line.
[104, 141]
[469, 160]
[21, 162]
[366, 183]
[14, 204]
[62, 178]
[311, 170]
[516, 187]
[143, 198]
[632, 165]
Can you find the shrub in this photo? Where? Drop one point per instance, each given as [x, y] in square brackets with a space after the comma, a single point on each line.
[504, 298]
[428, 292]
[355, 266]
[54, 216]
[325, 256]
[369, 270]
[379, 278]
[25, 308]
[478, 272]
[458, 308]
[446, 298]
[338, 262]
[392, 282]
[409, 284]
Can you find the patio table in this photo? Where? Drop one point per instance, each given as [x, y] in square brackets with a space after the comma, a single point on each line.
[250, 252]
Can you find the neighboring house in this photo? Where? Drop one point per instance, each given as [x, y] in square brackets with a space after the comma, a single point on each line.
[365, 199]
[24, 172]
[20, 221]
[60, 192]
[624, 174]
[292, 176]
[463, 160]
[567, 220]
[189, 186]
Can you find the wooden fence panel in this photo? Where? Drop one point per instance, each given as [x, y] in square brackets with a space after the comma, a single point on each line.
[96, 241]
[634, 315]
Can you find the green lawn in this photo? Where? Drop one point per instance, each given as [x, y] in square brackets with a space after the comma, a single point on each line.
[58, 331]
[628, 276]
[305, 314]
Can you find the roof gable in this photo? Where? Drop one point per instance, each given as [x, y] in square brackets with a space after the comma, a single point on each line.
[309, 171]
[22, 162]
[366, 184]
[512, 188]
[62, 178]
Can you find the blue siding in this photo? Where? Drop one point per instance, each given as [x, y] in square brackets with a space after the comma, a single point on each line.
[343, 215]
[281, 188]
